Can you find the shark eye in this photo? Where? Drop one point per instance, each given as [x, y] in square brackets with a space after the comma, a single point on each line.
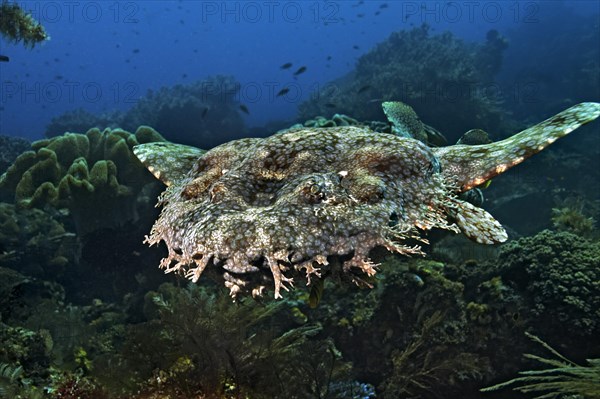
[313, 191]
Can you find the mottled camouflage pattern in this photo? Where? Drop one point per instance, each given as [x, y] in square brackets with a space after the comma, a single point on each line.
[259, 211]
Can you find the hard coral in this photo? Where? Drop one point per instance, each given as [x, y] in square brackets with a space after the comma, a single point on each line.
[560, 273]
[202, 114]
[94, 175]
[422, 70]
[32, 242]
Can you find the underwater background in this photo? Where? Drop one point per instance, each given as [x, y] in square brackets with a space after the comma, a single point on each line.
[85, 311]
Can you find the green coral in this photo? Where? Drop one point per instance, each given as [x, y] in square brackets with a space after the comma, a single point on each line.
[559, 273]
[94, 175]
[17, 25]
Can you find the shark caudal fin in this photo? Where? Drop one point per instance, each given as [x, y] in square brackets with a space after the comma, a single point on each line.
[467, 166]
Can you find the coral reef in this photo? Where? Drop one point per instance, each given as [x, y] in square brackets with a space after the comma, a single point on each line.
[422, 333]
[203, 114]
[27, 349]
[439, 76]
[558, 273]
[80, 120]
[573, 214]
[34, 243]
[10, 148]
[217, 349]
[338, 120]
[94, 175]
[16, 25]
[400, 115]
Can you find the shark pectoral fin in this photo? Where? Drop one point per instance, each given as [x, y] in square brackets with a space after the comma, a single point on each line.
[477, 224]
[468, 166]
[168, 162]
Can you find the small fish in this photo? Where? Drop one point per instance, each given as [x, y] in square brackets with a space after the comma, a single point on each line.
[135, 50]
[328, 58]
[330, 105]
[375, 100]
[244, 109]
[383, 5]
[355, 47]
[363, 89]
[283, 92]
[184, 75]
[300, 71]
[287, 65]
[58, 77]
[4, 58]
[360, 15]
[204, 112]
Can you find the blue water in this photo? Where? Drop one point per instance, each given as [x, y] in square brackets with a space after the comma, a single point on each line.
[105, 55]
